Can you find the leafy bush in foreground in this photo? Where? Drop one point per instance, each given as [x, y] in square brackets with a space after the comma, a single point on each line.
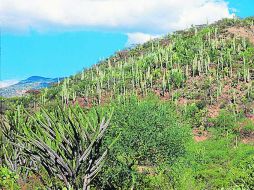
[215, 164]
[151, 137]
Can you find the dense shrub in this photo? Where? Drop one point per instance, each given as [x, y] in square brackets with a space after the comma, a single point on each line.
[226, 121]
[215, 164]
[177, 77]
[150, 136]
[8, 179]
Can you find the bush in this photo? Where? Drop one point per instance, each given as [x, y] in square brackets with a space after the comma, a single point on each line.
[226, 121]
[177, 77]
[195, 114]
[151, 136]
[215, 164]
[8, 179]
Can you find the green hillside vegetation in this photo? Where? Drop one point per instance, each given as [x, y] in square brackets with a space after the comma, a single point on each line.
[174, 113]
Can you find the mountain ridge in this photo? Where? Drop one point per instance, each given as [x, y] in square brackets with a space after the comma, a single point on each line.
[31, 83]
[35, 79]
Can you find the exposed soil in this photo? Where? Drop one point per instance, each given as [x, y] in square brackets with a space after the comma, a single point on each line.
[200, 135]
[250, 116]
[30, 182]
[146, 170]
[159, 93]
[182, 101]
[248, 139]
[213, 111]
[243, 32]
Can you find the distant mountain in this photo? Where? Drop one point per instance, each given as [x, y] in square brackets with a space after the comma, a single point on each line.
[35, 79]
[31, 83]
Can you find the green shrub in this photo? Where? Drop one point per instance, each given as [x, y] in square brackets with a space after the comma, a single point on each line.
[214, 164]
[151, 136]
[226, 121]
[8, 179]
[248, 127]
[195, 114]
[177, 77]
[243, 169]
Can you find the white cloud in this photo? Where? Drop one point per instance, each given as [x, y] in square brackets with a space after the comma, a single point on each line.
[128, 16]
[139, 38]
[6, 83]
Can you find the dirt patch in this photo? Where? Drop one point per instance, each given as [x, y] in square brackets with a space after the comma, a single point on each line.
[250, 117]
[200, 135]
[182, 101]
[159, 93]
[83, 102]
[243, 32]
[248, 140]
[247, 137]
[30, 182]
[213, 111]
[149, 170]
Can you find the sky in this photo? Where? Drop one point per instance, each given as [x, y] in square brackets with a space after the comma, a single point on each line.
[57, 38]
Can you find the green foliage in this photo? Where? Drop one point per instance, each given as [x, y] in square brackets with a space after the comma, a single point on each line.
[248, 127]
[215, 164]
[243, 170]
[177, 77]
[151, 135]
[66, 142]
[8, 179]
[226, 121]
[195, 114]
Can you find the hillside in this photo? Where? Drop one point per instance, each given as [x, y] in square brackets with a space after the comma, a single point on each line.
[174, 113]
[212, 65]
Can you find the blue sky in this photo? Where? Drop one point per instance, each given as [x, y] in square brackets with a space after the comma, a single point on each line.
[55, 54]
[59, 39]
[244, 8]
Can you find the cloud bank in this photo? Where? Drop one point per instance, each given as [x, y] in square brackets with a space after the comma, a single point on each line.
[6, 83]
[139, 38]
[128, 16]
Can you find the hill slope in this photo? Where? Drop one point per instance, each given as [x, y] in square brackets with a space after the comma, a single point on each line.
[212, 65]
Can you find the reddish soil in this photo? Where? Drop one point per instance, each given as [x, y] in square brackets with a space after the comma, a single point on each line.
[248, 139]
[213, 111]
[182, 101]
[243, 32]
[250, 116]
[34, 92]
[83, 102]
[158, 93]
[200, 135]
[30, 182]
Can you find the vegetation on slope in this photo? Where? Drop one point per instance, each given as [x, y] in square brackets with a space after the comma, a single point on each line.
[182, 118]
